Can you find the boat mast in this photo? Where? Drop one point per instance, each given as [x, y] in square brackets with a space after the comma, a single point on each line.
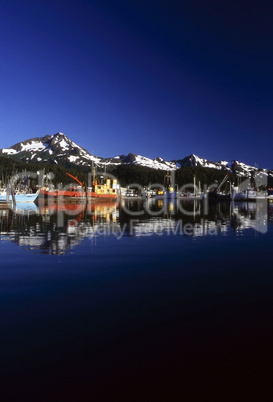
[93, 174]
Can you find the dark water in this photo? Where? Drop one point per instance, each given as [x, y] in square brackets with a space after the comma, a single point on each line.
[99, 304]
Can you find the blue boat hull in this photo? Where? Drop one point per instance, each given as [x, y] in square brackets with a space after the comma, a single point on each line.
[21, 197]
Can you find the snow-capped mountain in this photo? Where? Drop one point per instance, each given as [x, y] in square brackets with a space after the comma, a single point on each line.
[157, 163]
[59, 149]
[238, 168]
[195, 161]
[51, 148]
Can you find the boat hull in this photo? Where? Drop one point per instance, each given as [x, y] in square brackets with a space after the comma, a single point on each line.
[29, 197]
[248, 195]
[76, 195]
[218, 196]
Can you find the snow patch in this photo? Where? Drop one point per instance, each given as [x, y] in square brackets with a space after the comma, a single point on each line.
[33, 146]
[195, 160]
[64, 145]
[9, 151]
[226, 164]
[153, 163]
[72, 158]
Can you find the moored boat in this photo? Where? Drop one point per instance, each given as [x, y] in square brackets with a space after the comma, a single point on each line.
[18, 196]
[247, 195]
[106, 190]
[168, 190]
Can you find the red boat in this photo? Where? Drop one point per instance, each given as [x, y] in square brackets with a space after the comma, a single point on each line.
[107, 190]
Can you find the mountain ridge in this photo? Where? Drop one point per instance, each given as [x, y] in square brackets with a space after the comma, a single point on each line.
[59, 149]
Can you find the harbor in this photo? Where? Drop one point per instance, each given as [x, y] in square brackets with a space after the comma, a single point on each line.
[83, 284]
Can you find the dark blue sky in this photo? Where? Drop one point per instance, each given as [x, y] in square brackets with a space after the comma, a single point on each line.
[157, 78]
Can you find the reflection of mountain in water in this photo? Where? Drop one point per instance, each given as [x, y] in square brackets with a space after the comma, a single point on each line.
[57, 228]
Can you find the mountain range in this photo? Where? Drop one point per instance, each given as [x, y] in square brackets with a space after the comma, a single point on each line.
[59, 149]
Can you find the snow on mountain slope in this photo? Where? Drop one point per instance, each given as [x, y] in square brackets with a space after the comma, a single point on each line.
[195, 161]
[157, 163]
[242, 169]
[51, 148]
[59, 149]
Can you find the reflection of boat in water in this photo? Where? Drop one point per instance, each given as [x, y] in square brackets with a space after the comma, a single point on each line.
[72, 209]
[56, 229]
[107, 189]
[247, 215]
[26, 208]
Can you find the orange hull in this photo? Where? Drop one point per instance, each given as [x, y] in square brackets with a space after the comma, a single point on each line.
[76, 194]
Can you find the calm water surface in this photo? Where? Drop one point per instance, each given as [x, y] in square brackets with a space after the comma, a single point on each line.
[142, 302]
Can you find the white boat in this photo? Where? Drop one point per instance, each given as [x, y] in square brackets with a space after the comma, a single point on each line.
[246, 195]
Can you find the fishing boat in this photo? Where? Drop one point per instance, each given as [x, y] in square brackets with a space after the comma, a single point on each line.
[216, 193]
[105, 190]
[167, 191]
[247, 195]
[19, 196]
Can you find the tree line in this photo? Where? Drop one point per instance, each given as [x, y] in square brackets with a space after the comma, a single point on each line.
[126, 174]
